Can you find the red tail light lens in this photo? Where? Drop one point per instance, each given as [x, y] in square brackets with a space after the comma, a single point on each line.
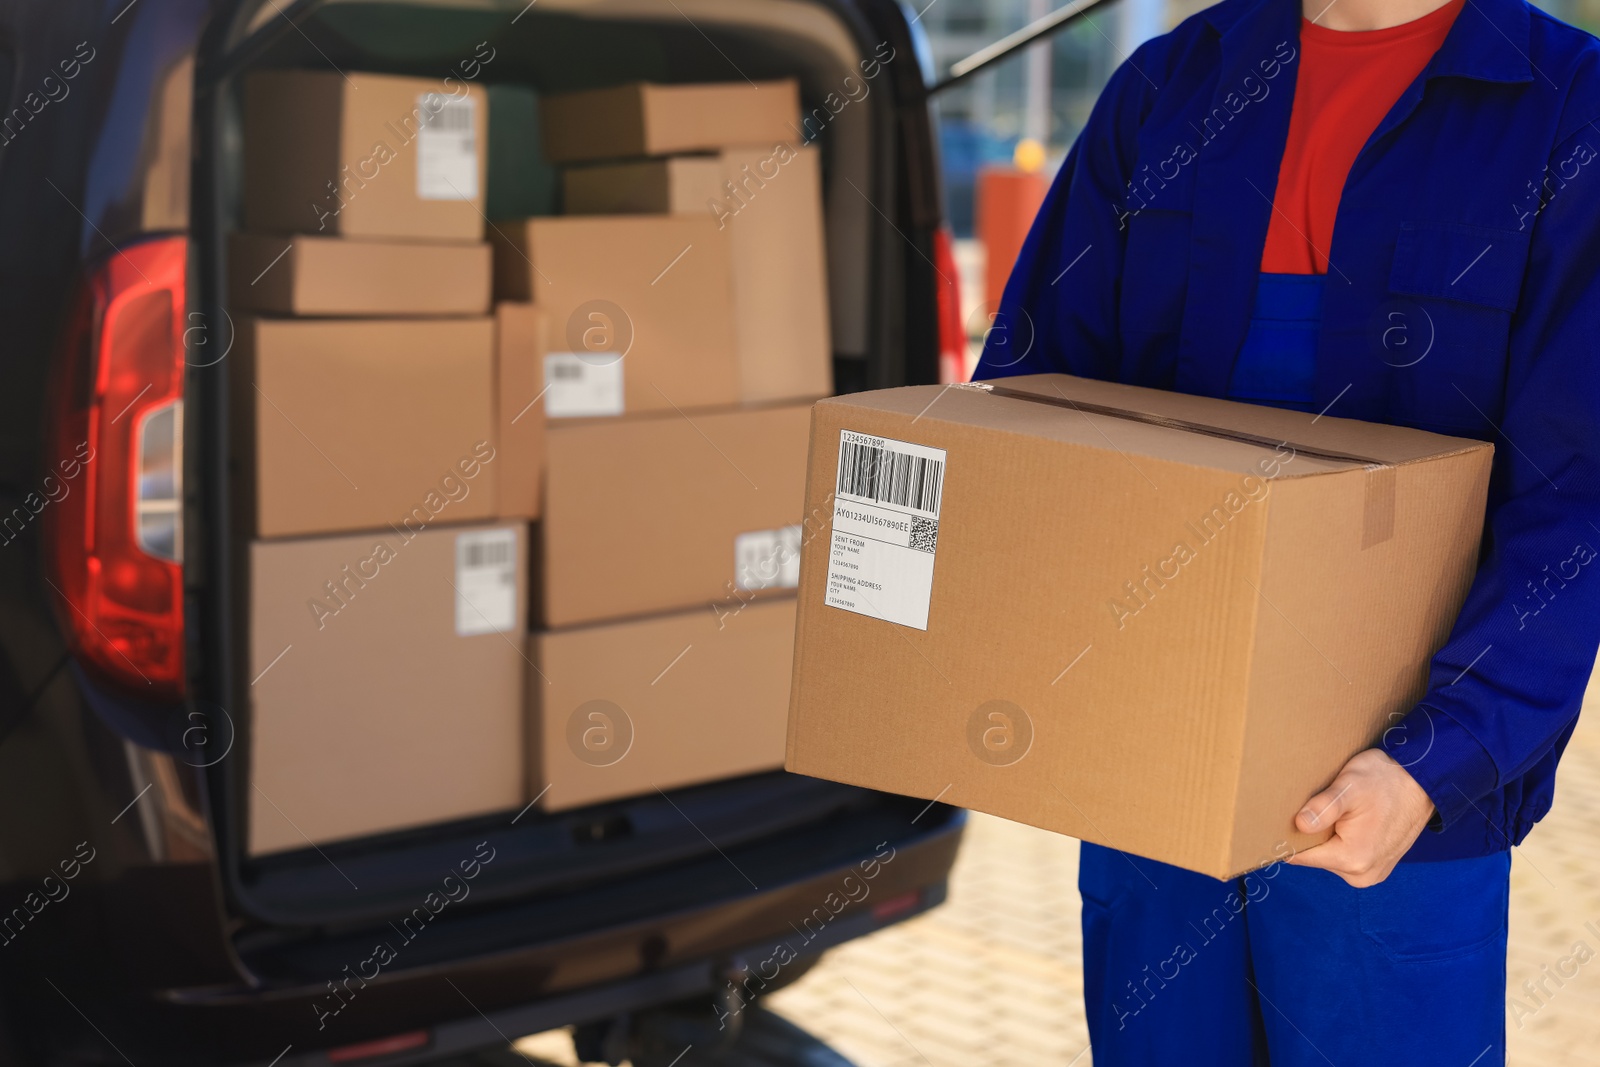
[115, 534]
[952, 338]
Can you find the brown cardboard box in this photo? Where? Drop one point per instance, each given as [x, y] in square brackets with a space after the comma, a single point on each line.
[631, 707]
[350, 424]
[638, 310]
[363, 155]
[667, 512]
[303, 275]
[1153, 621]
[662, 120]
[767, 203]
[388, 682]
[675, 185]
[519, 410]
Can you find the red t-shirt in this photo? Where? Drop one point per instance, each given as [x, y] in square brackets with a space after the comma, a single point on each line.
[1347, 83]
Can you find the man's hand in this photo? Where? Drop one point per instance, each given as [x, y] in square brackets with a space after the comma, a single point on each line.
[1375, 809]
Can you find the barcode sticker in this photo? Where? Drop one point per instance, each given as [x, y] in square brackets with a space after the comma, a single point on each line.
[577, 384]
[447, 147]
[885, 528]
[767, 559]
[486, 582]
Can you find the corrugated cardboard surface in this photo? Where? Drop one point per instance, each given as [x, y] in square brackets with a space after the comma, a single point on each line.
[519, 410]
[657, 289]
[658, 120]
[303, 275]
[307, 128]
[349, 424]
[1082, 673]
[373, 714]
[641, 514]
[627, 708]
[767, 203]
[679, 185]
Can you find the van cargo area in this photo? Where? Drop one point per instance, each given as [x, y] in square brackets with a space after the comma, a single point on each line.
[583, 895]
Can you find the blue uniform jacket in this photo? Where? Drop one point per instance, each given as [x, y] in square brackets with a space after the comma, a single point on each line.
[1462, 296]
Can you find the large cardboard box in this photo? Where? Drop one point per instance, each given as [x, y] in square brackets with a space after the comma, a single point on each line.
[351, 424]
[387, 682]
[304, 275]
[519, 410]
[363, 155]
[631, 707]
[638, 310]
[640, 119]
[667, 512]
[764, 199]
[1153, 621]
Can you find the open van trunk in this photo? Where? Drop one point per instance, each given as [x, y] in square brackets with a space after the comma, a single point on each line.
[557, 875]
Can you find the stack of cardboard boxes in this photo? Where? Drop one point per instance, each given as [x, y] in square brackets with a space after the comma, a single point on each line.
[388, 458]
[683, 297]
[640, 386]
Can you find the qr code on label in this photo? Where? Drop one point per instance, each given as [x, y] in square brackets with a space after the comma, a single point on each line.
[924, 533]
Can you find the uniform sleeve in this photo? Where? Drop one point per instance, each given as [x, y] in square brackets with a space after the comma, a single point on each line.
[1059, 309]
[1510, 680]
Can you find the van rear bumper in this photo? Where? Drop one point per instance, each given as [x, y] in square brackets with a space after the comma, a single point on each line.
[478, 1001]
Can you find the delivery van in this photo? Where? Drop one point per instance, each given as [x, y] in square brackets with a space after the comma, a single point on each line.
[137, 922]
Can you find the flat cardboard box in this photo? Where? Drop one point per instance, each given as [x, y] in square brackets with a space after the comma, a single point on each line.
[364, 155]
[641, 119]
[638, 310]
[354, 424]
[519, 410]
[1153, 621]
[675, 185]
[332, 276]
[627, 708]
[763, 198]
[669, 512]
[388, 682]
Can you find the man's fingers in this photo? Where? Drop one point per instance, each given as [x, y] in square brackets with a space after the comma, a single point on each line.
[1334, 854]
[1323, 810]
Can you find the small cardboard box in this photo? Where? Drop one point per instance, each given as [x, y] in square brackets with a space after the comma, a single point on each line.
[638, 310]
[352, 424]
[762, 198]
[1153, 621]
[388, 682]
[304, 275]
[640, 119]
[675, 185]
[668, 512]
[363, 155]
[631, 707]
[519, 410]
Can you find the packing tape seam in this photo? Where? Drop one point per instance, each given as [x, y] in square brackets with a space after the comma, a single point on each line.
[1377, 513]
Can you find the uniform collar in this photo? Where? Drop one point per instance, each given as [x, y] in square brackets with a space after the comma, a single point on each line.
[1489, 41]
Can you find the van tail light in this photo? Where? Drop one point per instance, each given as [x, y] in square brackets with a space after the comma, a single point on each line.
[114, 535]
[952, 338]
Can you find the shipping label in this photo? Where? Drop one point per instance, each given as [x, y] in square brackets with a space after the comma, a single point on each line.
[885, 528]
[486, 582]
[447, 150]
[579, 384]
[767, 559]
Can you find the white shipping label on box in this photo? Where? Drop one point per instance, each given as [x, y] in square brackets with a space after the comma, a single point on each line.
[885, 528]
[578, 384]
[486, 582]
[767, 559]
[447, 147]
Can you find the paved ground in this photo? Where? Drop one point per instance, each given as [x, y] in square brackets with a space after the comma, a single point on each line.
[993, 977]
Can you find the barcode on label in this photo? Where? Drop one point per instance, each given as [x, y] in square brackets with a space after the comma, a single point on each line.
[486, 553]
[446, 113]
[890, 472]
